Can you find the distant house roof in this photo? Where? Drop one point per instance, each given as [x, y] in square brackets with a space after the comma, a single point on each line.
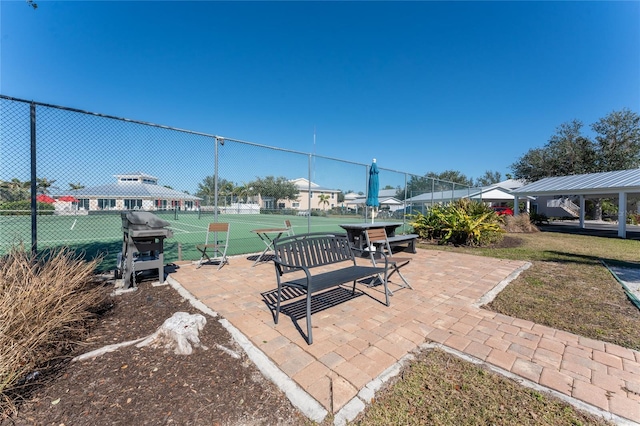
[386, 201]
[132, 186]
[304, 184]
[131, 190]
[500, 191]
[387, 192]
[605, 183]
[351, 196]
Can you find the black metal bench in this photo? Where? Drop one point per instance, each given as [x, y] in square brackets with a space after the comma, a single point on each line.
[298, 255]
[409, 239]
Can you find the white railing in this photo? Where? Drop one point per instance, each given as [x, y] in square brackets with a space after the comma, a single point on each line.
[566, 204]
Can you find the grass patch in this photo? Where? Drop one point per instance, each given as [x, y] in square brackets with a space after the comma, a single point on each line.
[440, 389]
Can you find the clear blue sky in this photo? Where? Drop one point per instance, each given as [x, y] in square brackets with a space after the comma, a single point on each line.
[422, 86]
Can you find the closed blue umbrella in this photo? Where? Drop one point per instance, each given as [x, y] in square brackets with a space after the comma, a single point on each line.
[373, 188]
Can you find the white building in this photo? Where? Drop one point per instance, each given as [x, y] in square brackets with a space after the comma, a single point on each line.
[133, 191]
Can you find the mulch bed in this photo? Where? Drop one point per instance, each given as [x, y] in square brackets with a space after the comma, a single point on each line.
[147, 386]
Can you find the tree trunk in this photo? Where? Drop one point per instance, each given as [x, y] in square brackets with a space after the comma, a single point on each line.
[597, 210]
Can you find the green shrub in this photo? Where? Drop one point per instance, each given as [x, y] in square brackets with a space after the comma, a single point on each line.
[23, 208]
[463, 222]
[538, 218]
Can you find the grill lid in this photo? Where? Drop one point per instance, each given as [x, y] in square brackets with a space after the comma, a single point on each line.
[142, 220]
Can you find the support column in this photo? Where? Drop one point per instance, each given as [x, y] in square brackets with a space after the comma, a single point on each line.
[622, 215]
[516, 208]
[582, 212]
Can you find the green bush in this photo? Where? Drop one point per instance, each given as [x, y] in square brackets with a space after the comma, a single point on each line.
[23, 208]
[462, 222]
[538, 218]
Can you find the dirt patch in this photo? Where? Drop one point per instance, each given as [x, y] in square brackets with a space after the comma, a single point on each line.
[155, 386]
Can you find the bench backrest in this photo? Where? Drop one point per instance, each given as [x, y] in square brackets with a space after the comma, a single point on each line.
[312, 250]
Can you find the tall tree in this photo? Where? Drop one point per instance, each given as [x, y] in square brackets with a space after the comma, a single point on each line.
[416, 185]
[532, 166]
[279, 188]
[568, 152]
[488, 178]
[14, 190]
[206, 189]
[453, 176]
[618, 141]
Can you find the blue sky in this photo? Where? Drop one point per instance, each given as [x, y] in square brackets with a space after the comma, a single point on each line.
[421, 86]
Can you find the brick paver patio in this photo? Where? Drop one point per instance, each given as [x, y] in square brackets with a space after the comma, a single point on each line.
[358, 339]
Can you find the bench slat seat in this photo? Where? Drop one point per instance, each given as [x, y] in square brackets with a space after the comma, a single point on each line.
[303, 253]
[331, 279]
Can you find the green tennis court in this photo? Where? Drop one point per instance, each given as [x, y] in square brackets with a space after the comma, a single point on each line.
[101, 234]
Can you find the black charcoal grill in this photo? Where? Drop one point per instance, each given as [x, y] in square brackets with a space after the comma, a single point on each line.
[142, 245]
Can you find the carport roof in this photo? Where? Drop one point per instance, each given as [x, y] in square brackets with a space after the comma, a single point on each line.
[604, 183]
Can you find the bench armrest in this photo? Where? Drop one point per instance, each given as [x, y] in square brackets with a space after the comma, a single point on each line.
[279, 265]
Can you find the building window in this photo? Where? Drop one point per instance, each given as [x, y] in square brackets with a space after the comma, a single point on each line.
[333, 195]
[83, 204]
[106, 203]
[295, 205]
[132, 204]
[311, 194]
[161, 204]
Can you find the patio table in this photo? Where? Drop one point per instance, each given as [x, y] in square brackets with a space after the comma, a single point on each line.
[355, 231]
[267, 235]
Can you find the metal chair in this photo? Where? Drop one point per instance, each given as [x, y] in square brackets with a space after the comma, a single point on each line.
[216, 250]
[376, 240]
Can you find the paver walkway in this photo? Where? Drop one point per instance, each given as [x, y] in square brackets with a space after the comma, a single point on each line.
[358, 340]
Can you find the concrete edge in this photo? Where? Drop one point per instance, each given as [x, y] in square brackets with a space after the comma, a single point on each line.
[581, 405]
[298, 397]
[358, 404]
[491, 294]
[634, 299]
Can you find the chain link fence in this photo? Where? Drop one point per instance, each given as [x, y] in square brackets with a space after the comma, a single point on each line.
[66, 177]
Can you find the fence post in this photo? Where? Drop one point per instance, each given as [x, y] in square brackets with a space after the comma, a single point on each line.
[34, 203]
[309, 193]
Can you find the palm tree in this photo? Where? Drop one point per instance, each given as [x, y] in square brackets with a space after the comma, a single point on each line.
[43, 185]
[75, 186]
[241, 192]
[324, 200]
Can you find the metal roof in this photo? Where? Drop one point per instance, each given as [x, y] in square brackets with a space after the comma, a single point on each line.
[587, 184]
[131, 190]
